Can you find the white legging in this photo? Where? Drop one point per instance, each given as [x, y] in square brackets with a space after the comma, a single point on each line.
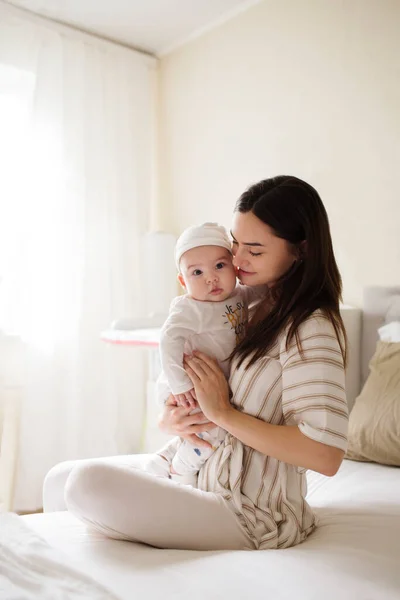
[119, 499]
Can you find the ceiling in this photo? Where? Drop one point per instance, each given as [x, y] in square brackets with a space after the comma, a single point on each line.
[155, 26]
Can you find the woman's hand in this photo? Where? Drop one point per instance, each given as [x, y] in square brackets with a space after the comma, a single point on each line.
[211, 387]
[176, 420]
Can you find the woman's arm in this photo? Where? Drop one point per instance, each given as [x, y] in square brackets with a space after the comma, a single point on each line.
[283, 442]
[176, 420]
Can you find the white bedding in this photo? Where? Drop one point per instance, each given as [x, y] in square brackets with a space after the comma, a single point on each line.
[353, 555]
[30, 568]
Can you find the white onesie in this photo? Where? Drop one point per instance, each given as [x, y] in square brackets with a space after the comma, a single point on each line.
[210, 327]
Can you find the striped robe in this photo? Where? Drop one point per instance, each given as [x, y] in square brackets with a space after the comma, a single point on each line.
[283, 388]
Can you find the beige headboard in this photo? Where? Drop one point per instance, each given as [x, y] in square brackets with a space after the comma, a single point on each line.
[352, 321]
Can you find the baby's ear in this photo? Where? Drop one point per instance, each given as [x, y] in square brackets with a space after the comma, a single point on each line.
[181, 280]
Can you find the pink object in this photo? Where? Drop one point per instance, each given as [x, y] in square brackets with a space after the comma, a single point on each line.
[149, 338]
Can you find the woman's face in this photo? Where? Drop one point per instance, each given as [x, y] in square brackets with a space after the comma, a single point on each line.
[258, 255]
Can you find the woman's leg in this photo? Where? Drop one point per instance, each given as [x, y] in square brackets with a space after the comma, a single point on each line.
[127, 503]
[56, 478]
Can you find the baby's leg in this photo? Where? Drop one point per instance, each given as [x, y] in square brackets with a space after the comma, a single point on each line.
[187, 462]
[189, 459]
[215, 436]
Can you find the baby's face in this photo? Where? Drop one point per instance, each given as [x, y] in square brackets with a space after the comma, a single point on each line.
[207, 273]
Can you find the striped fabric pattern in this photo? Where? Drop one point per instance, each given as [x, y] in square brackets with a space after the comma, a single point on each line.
[283, 388]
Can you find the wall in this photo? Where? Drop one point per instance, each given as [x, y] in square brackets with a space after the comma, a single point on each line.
[303, 87]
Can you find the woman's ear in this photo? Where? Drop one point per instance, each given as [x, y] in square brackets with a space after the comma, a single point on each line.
[302, 250]
[181, 280]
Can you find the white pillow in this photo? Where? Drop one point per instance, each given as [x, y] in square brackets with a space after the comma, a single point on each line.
[390, 332]
[393, 311]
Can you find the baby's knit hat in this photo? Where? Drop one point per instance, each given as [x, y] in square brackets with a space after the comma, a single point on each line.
[208, 234]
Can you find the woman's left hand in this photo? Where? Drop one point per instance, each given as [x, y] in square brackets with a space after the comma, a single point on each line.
[209, 382]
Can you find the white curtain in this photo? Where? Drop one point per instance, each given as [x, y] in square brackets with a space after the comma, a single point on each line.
[76, 144]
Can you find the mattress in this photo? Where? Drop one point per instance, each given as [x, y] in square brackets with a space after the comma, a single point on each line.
[354, 553]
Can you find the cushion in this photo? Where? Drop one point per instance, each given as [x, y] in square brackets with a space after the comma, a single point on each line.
[374, 424]
[390, 332]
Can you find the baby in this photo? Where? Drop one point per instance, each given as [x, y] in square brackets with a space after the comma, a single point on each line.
[210, 317]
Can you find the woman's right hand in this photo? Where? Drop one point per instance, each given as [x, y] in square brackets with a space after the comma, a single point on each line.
[176, 420]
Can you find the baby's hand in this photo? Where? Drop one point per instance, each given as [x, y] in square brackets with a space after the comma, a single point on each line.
[187, 399]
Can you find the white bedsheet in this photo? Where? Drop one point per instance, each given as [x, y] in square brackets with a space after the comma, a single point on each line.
[353, 555]
[30, 568]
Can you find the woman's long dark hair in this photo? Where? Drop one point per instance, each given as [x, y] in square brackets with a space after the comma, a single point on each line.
[294, 211]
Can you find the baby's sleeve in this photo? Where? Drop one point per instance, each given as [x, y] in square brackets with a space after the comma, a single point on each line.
[313, 384]
[179, 326]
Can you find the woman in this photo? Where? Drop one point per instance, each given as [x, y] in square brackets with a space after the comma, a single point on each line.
[287, 412]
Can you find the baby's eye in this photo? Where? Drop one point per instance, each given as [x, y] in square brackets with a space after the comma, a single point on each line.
[255, 253]
[220, 265]
[197, 272]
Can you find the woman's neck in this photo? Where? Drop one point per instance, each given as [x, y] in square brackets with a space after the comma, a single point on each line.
[262, 310]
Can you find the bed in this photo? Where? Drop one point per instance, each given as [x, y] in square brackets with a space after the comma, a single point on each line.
[354, 554]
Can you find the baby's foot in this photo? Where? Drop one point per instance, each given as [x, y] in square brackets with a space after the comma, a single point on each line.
[157, 465]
